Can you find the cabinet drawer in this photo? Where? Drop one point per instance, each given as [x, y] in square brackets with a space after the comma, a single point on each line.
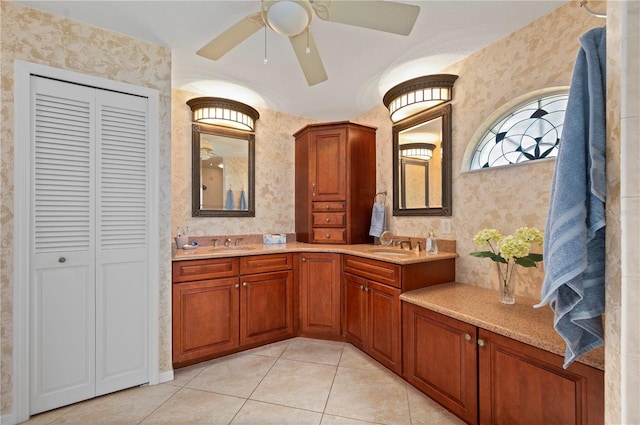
[338, 219]
[265, 263]
[190, 270]
[329, 206]
[377, 271]
[329, 235]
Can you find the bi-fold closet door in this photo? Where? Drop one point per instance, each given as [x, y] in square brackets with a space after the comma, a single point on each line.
[89, 285]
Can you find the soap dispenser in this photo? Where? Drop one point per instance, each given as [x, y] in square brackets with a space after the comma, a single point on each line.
[432, 243]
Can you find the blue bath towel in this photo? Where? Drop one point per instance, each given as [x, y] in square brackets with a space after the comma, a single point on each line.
[574, 244]
[377, 220]
[230, 204]
[243, 201]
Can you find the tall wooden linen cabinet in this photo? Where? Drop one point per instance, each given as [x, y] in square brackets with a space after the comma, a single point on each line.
[335, 182]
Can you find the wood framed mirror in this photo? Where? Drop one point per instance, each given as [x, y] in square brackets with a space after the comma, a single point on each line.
[422, 164]
[223, 165]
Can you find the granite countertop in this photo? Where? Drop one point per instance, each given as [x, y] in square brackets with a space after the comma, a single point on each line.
[364, 250]
[481, 307]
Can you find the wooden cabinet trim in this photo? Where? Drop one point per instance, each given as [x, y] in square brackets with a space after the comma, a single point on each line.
[378, 271]
[328, 206]
[330, 235]
[212, 268]
[265, 263]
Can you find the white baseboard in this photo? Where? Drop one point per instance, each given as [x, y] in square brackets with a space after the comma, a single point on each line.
[165, 376]
[9, 419]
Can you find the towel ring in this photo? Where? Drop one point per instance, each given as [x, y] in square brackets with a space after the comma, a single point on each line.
[379, 195]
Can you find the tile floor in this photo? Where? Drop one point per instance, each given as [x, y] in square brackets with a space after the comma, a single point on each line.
[298, 381]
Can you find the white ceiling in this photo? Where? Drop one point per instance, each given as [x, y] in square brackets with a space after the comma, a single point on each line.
[362, 64]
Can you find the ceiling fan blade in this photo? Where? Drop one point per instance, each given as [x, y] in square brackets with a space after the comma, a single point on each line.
[397, 18]
[310, 62]
[233, 36]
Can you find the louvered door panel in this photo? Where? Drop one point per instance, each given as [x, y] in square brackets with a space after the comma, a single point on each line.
[62, 319]
[63, 136]
[122, 261]
[123, 172]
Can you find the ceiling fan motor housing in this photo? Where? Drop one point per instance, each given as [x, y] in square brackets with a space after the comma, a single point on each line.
[287, 17]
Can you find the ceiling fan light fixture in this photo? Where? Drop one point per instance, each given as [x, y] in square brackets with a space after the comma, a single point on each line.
[422, 151]
[287, 17]
[223, 112]
[419, 94]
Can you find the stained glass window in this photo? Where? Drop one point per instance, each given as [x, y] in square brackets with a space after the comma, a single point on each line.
[528, 132]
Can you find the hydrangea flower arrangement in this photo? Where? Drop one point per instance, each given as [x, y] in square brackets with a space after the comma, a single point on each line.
[507, 252]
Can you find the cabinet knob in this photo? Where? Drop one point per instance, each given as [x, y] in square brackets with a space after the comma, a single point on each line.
[244, 284]
[328, 236]
[313, 189]
[481, 342]
[61, 260]
[327, 219]
[237, 285]
[366, 289]
[328, 207]
[304, 259]
[467, 337]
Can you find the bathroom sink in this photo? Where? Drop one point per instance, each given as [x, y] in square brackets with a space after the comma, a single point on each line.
[391, 251]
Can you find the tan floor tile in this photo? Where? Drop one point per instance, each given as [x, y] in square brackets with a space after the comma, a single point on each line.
[121, 408]
[369, 395]
[314, 351]
[338, 420]
[271, 350]
[354, 358]
[236, 375]
[296, 384]
[196, 407]
[425, 411]
[255, 412]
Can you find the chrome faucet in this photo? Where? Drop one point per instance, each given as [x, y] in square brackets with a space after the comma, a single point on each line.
[238, 241]
[214, 242]
[408, 243]
[227, 242]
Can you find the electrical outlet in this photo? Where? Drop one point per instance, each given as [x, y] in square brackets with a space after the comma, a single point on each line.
[446, 226]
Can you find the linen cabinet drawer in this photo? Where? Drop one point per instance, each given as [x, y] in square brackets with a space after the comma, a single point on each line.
[338, 219]
[329, 206]
[378, 271]
[329, 235]
[265, 263]
[191, 270]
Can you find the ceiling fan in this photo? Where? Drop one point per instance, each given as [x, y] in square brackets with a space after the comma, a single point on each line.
[293, 18]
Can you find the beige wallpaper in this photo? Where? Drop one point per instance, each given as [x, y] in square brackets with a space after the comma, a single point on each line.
[33, 36]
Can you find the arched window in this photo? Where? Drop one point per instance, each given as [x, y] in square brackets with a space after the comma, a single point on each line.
[528, 131]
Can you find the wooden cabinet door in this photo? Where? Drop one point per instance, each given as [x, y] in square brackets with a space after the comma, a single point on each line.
[384, 330]
[319, 285]
[440, 359]
[205, 318]
[266, 307]
[523, 384]
[328, 165]
[355, 310]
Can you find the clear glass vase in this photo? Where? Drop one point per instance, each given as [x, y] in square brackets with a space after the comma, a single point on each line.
[506, 282]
